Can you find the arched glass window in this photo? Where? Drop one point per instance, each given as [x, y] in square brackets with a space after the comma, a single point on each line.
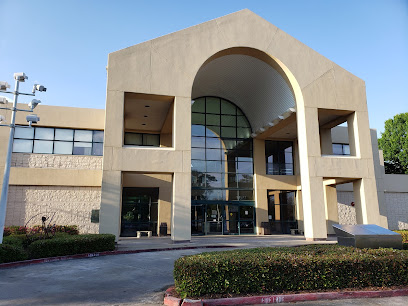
[221, 153]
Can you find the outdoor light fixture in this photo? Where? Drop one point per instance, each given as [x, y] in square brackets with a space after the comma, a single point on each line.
[33, 104]
[39, 88]
[3, 100]
[253, 135]
[20, 76]
[32, 118]
[4, 85]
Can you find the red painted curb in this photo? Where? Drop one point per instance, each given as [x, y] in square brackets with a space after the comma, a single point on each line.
[97, 254]
[287, 298]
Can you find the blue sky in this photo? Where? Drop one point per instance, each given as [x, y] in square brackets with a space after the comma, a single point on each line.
[65, 44]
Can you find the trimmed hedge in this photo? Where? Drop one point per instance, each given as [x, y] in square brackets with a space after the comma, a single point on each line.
[70, 245]
[267, 270]
[19, 230]
[10, 253]
[404, 234]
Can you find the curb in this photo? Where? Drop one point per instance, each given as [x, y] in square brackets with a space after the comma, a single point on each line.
[97, 254]
[170, 300]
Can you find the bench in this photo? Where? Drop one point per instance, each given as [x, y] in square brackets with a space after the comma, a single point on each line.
[139, 233]
[293, 231]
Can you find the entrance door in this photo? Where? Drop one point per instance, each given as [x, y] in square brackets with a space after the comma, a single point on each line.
[231, 224]
[197, 219]
[214, 216]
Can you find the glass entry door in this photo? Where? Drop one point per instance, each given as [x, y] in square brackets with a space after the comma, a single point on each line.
[222, 219]
[214, 224]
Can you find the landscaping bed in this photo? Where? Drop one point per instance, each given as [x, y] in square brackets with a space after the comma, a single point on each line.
[22, 243]
[279, 270]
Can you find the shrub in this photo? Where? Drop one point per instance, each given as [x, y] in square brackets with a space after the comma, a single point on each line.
[10, 253]
[14, 230]
[268, 270]
[404, 234]
[69, 245]
[16, 240]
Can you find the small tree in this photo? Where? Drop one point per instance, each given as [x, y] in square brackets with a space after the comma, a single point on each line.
[394, 143]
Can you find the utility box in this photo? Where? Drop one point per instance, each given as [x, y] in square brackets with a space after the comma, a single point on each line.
[163, 229]
[367, 236]
[265, 228]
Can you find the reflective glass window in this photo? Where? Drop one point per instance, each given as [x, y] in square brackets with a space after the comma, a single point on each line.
[44, 133]
[223, 153]
[83, 135]
[133, 139]
[43, 146]
[151, 140]
[97, 136]
[97, 149]
[26, 133]
[63, 147]
[64, 134]
[22, 146]
[82, 148]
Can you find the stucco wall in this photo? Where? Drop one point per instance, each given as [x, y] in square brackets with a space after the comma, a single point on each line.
[397, 208]
[77, 162]
[71, 205]
[347, 213]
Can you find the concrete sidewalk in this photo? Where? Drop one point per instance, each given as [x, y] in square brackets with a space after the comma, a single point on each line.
[250, 241]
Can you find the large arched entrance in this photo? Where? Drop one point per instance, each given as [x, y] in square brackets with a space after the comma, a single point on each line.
[237, 95]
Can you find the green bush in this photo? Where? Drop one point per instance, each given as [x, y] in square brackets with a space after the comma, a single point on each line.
[268, 270]
[16, 240]
[69, 245]
[10, 253]
[404, 235]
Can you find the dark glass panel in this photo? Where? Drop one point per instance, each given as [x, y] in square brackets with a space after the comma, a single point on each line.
[213, 131]
[213, 105]
[198, 105]
[337, 149]
[198, 119]
[242, 122]
[245, 181]
[246, 212]
[228, 132]
[212, 119]
[228, 120]
[243, 132]
[227, 108]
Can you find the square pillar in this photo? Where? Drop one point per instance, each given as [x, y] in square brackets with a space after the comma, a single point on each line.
[326, 142]
[312, 186]
[111, 199]
[332, 214]
[366, 201]
[181, 208]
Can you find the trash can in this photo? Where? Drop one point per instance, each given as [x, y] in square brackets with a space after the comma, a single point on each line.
[265, 228]
[163, 229]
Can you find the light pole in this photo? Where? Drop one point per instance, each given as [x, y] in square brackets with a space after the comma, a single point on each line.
[18, 77]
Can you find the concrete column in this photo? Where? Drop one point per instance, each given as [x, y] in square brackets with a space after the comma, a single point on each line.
[312, 185]
[352, 126]
[181, 197]
[365, 199]
[326, 142]
[299, 210]
[332, 214]
[261, 197]
[111, 199]
[181, 208]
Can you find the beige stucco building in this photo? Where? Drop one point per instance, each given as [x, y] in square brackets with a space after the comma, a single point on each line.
[227, 127]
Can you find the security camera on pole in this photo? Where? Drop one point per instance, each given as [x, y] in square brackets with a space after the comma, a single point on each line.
[18, 77]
